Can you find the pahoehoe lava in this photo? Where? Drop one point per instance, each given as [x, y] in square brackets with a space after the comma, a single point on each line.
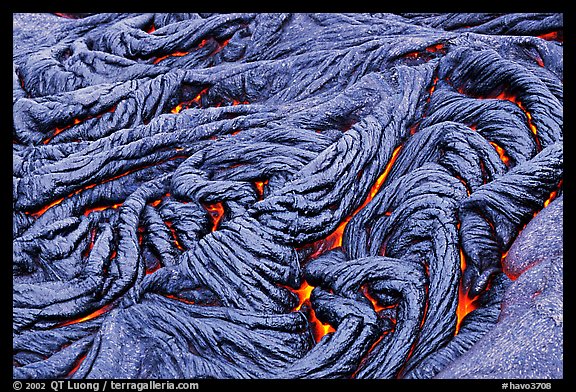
[287, 195]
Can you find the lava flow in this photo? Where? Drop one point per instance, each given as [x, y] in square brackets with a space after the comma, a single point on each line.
[90, 316]
[216, 211]
[184, 182]
[319, 329]
[465, 303]
[334, 240]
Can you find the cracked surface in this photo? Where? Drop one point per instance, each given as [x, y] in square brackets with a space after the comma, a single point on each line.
[287, 195]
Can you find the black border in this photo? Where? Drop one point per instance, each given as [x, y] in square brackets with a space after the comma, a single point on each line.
[118, 6]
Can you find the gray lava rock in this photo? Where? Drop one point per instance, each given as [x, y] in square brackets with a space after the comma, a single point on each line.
[527, 341]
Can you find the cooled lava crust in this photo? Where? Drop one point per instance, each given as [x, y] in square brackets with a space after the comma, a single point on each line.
[287, 195]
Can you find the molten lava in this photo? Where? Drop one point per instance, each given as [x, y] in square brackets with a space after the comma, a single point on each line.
[216, 211]
[334, 240]
[174, 235]
[91, 316]
[552, 197]
[76, 365]
[156, 267]
[303, 294]
[426, 54]
[553, 36]
[47, 207]
[502, 153]
[175, 54]
[504, 95]
[377, 307]
[76, 121]
[88, 211]
[465, 303]
[319, 329]
[151, 29]
[86, 253]
[89, 186]
[197, 102]
[184, 300]
[260, 188]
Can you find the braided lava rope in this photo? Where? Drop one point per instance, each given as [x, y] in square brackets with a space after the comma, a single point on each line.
[274, 195]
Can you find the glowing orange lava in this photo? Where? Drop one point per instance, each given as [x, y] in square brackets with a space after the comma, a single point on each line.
[553, 36]
[86, 252]
[426, 53]
[502, 153]
[412, 55]
[552, 197]
[176, 109]
[151, 29]
[174, 54]
[76, 192]
[186, 301]
[220, 46]
[303, 294]
[216, 211]
[334, 239]
[433, 87]
[465, 303]
[377, 307]
[260, 188]
[506, 96]
[187, 104]
[91, 316]
[46, 208]
[156, 202]
[153, 269]
[77, 365]
[435, 48]
[547, 202]
[88, 211]
[319, 329]
[174, 235]
[76, 121]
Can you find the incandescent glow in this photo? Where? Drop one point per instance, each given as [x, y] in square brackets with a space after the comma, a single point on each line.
[76, 121]
[184, 300]
[150, 271]
[553, 36]
[502, 153]
[260, 188]
[216, 211]
[319, 329]
[377, 307]
[76, 365]
[506, 96]
[88, 211]
[552, 197]
[47, 207]
[197, 101]
[334, 239]
[303, 294]
[174, 54]
[151, 29]
[174, 235]
[465, 303]
[91, 316]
